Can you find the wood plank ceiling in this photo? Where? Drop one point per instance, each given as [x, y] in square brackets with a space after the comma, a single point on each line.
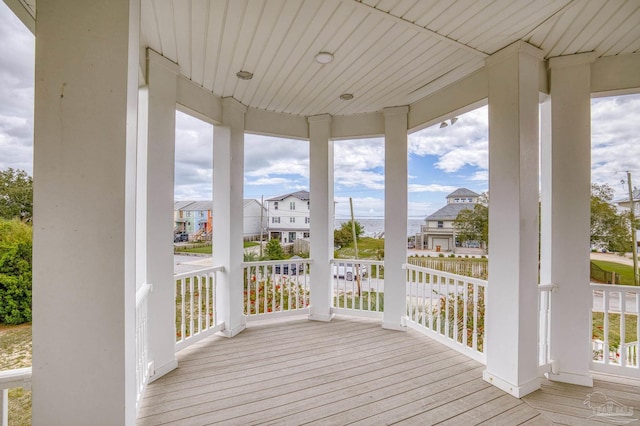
[387, 52]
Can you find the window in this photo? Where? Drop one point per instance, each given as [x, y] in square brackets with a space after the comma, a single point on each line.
[308, 205]
[292, 205]
[305, 235]
[306, 220]
[275, 205]
[440, 224]
[292, 219]
[275, 219]
[188, 214]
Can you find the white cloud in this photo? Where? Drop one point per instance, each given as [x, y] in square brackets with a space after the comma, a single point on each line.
[416, 187]
[615, 141]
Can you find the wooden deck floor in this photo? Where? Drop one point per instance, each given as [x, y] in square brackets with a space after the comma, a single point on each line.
[349, 371]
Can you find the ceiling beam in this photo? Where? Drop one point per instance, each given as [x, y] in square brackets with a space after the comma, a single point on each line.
[418, 28]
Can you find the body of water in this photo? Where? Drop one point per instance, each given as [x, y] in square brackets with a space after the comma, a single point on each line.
[374, 227]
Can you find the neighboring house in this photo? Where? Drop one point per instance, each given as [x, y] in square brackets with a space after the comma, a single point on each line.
[438, 232]
[626, 205]
[193, 217]
[252, 216]
[289, 216]
[196, 217]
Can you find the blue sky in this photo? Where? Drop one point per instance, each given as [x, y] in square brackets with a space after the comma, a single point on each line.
[440, 159]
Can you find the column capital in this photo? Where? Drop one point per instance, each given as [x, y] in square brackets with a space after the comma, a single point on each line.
[156, 59]
[397, 110]
[319, 118]
[231, 103]
[572, 60]
[518, 47]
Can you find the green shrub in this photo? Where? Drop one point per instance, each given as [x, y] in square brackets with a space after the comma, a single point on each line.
[15, 272]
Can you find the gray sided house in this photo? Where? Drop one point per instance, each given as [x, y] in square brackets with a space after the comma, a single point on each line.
[438, 232]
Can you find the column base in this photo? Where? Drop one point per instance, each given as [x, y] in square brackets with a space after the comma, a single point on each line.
[571, 378]
[394, 326]
[517, 391]
[315, 316]
[232, 332]
[161, 371]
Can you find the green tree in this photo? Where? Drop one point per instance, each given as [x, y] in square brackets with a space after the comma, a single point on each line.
[273, 250]
[609, 228]
[344, 235]
[15, 272]
[473, 224]
[16, 195]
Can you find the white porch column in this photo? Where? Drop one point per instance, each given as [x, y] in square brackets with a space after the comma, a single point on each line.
[321, 214]
[160, 155]
[228, 175]
[86, 92]
[512, 314]
[395, 212]
[566, 194]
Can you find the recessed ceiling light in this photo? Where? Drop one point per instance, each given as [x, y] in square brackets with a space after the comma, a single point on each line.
[443, 124]
[324, 58]
[244, 75]
[346, 96]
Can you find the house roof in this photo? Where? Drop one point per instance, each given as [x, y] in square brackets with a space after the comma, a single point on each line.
[450, 211]
[301, 195]
[179, 205]
[463, 192]
[195, 205]
[248, 201]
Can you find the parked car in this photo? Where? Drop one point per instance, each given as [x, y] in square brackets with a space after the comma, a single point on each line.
[348, 270]
[180, 237]
[290, 268]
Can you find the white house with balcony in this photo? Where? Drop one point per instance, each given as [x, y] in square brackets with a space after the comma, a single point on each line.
[109, 76]
[289, 216]
[438, 232]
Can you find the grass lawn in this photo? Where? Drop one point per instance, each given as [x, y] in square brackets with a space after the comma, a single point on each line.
[631, 324]
[251, 244]
[368, 248]
[624, 271]
[15, 352]
[201, 250]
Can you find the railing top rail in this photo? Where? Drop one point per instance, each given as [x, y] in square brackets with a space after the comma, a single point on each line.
[276, 262]
[547, 287]
[615, 287]
[359, 261]
[449, 275]
[143, 292]
[15, 378]
[198, 272]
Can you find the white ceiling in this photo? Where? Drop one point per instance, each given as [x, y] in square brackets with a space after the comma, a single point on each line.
[387, 52]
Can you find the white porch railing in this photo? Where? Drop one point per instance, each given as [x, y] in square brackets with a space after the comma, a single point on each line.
[9, 379]
[544, 327]
[142, 358]
[358, 287]
[450, 308]
[195, 306]
[276, 288]
[615, 343]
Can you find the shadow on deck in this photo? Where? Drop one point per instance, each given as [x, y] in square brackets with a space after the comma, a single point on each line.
[348, 371]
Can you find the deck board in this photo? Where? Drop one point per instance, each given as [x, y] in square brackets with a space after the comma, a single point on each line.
[349, 371]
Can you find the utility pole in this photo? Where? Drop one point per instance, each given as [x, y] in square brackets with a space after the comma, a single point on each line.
[634, 242]
[355, 245]
[261, 222]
